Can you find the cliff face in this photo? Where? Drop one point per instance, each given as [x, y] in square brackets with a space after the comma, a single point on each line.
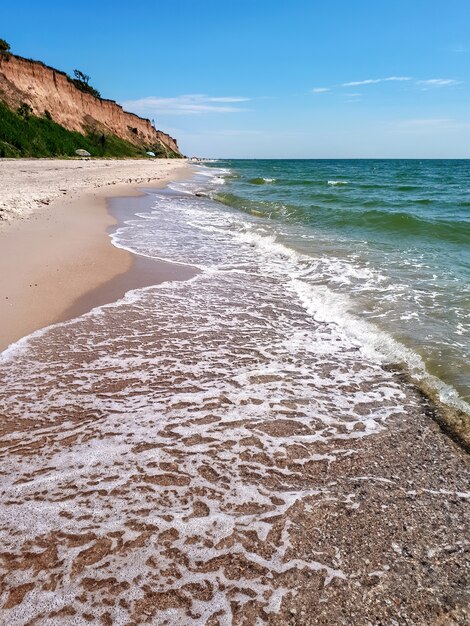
[47, 89]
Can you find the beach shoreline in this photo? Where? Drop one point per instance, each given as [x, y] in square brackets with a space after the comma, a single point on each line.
[55, 255]
[161, 446]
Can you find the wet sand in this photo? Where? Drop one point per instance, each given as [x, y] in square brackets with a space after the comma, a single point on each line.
[62, 252]
[196, 512]
[142, 271]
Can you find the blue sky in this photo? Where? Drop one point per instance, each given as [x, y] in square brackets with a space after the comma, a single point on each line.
[258, 79]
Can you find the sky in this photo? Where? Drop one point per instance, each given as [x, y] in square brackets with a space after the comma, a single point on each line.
[270, 79]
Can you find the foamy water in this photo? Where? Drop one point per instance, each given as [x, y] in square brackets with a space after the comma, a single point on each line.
[330, 284]
[391, 239]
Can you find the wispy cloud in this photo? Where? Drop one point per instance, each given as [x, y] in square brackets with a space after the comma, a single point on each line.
[234, 132]
[427, 122]
[190, 104]
[427, 84]
[460, 48]
[429, 126]
[438, 82]
[373, 81]
[223, 99]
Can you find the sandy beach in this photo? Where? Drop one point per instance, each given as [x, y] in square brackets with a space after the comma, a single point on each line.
[54, 245]
[29, 184]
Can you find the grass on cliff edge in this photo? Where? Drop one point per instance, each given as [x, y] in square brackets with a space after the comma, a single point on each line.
[31, 136]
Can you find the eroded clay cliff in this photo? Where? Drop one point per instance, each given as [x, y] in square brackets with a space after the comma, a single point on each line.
[47, 89]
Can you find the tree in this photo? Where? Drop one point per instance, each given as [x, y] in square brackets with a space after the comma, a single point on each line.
[82, 82]
[5, 50]
[80, 76]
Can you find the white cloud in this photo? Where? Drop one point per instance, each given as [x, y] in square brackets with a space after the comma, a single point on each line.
[373, 81]
[225, 99]
[320, 89]
[190, 104]
[399, 78]
[438, 82]
[355, 83]
[369, 81]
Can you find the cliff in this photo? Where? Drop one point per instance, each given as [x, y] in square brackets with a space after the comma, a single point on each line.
[47, 89]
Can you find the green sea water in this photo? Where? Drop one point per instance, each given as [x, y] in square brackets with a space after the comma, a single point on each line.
[387, 242]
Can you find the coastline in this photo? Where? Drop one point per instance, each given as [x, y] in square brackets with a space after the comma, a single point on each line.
[62, 251]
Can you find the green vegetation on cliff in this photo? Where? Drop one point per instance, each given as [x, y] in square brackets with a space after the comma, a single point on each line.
[23, 134]
[4, 46]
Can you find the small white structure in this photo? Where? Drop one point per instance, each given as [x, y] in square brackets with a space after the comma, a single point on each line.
[82, 153]
[150, 154]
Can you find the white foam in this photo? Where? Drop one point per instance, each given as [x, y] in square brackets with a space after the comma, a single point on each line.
[223, 377]
[375, 344]
[213, 236]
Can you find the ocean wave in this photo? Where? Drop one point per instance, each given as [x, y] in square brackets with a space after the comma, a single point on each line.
[406, 188]
[247, 205]
[261, 181]
[373, 215]
[327, 306]
[404, 224]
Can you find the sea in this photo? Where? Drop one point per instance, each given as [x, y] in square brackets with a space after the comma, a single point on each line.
[177, 427]
[379, 247]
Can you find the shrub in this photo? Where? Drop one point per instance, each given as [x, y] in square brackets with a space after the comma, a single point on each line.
[4, 50]
[161, 151]
[24, 110]
[82, 82]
